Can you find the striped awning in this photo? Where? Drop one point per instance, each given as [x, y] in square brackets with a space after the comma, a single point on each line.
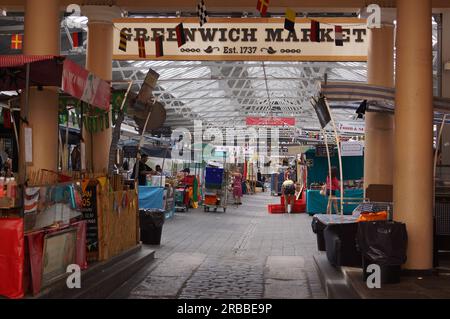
[375, 95]
[9, 61]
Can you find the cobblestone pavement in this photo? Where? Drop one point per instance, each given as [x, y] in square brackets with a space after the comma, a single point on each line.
[244, 253]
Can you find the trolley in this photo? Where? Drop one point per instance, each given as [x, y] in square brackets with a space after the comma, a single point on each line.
[181, 199]
[216, 189]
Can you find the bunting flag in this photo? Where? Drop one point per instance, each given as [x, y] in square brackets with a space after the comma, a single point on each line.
[6, 118]
[123, 42]
[141, 45]
[202, 13]
[115, 204]
[16, 42]
[338, 36]
[159, 50]
[315, 31]
[84, 185]
[31, 199]
[102, 181]
[262, 6]
[181, 36]
[125, 200]
[77, 39]
[289, 20]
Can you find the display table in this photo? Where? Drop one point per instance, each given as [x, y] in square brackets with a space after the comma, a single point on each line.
[157, 198]
[317, 203]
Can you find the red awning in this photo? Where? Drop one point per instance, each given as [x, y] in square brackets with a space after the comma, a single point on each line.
[44, 71]
[49, 70]
[7, 61]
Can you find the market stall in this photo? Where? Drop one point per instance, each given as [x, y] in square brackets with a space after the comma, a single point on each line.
[157, 197]
[317, 171]
[50, 220]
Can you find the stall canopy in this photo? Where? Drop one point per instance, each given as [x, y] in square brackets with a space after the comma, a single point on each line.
[49, 70]
[379, 98]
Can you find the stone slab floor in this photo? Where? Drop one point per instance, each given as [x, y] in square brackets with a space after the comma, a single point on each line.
[244, 253]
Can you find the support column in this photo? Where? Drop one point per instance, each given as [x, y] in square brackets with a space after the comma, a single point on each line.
[42, 37]
[99, 62]
[379, 127]
[413, 170]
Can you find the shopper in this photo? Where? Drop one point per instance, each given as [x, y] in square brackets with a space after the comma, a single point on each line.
[237, 187]
[288, 190]
[144, 170]
[75, 158]
[288, 174]
[8, 165]
[331, 187]
[260, 180]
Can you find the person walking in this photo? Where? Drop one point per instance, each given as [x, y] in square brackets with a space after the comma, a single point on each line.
[237, 187]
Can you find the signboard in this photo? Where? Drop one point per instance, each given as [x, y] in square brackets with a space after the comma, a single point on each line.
[321, 150]
[242, 39]
[82, 84]
[322, 111]
[89, 210]
[295, 150]
[352, 149]
[351, 127]
[59, 252]
[270, 121]
[145, 94]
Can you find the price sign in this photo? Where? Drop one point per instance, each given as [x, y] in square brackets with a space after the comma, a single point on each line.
[89, 210]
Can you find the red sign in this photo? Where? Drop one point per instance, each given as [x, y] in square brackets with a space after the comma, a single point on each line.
[85, 86]
[270, 121]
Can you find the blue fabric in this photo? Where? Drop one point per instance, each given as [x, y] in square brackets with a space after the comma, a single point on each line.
[213, 175]
[151, 197]
[317, 203]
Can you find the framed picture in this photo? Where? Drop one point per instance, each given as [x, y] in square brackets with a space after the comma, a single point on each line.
[59, 252]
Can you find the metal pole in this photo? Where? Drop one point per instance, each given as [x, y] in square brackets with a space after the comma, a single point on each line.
[138, 155]
[162, 168]
[329, 168]
[25, 115]
[338, 143]
[438, 141]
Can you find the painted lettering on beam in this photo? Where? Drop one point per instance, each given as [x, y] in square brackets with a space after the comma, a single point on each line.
[243, 40]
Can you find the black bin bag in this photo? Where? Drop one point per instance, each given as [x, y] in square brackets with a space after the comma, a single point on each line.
[318, 227]
[383, 243]
[151, 222]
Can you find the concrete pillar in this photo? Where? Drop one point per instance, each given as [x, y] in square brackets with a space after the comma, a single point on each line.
[379, 136]
[99, 62]
[413, 165]
[42, 37]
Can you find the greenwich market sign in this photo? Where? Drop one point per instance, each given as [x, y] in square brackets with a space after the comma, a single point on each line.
[243, 39]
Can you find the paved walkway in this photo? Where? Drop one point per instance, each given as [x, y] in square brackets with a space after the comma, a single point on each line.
[243, 253]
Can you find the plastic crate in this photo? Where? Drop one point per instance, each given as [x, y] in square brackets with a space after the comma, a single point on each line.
[210, 200]
[276, 209]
